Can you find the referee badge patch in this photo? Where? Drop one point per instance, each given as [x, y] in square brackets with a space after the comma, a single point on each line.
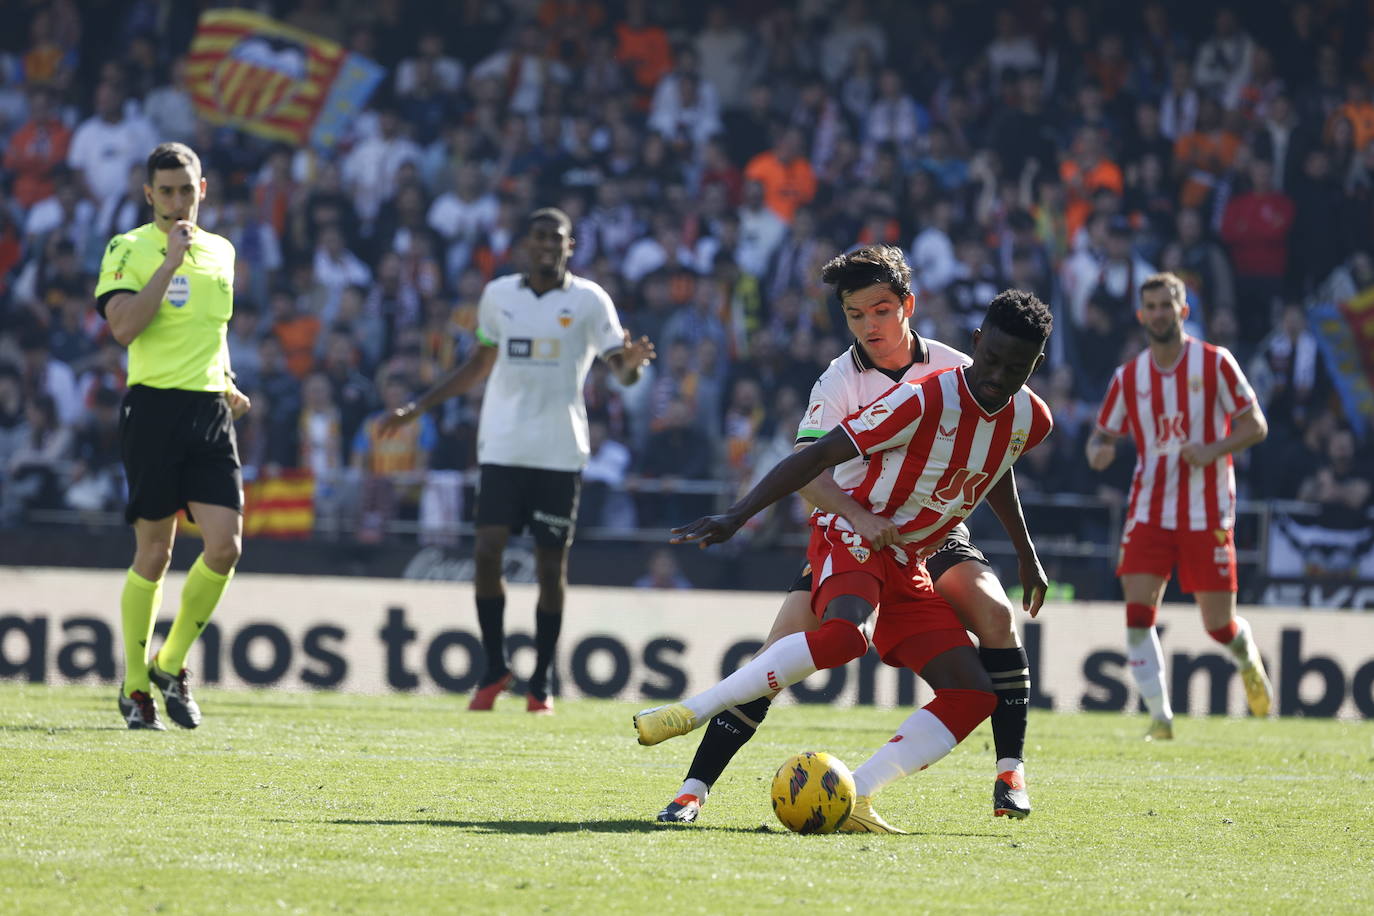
[179, 291]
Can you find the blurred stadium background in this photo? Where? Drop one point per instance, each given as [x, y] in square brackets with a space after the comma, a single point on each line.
[712, 155]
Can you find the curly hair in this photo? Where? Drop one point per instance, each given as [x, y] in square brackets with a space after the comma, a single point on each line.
[867, 266]
[1020, 314]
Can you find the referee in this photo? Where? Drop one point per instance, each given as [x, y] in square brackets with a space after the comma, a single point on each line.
[166, 289]
[539, 333]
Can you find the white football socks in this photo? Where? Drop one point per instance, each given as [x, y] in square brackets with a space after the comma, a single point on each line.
[694, 787]
[782, 664]
[1243, 646]
[922, 740]
[1147, 667]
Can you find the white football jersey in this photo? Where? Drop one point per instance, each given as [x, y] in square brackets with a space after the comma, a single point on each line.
[533, 413]
[852, 383]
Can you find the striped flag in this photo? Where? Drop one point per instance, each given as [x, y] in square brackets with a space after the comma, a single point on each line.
[267, 78]
[281, 506]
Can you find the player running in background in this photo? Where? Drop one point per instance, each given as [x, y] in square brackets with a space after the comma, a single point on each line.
[935, 448]
[539, 333]
[1189, 408]
[166, 289]
[873, 285]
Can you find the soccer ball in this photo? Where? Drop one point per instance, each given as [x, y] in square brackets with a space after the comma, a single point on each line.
[813, 793]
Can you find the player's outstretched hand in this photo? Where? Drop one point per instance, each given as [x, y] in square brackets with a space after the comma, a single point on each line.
[238, 402]
[638, 352]
[390, 422]
[713, 529]
[1034, 584]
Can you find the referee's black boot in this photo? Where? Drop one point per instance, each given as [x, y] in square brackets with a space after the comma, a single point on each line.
[176, 690]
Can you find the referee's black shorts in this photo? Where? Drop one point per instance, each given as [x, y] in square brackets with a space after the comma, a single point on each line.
[178, 447]
[957, 548]
[545, 501]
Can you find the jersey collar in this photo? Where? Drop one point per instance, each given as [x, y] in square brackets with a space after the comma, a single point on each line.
[566, 284]
[919, 351]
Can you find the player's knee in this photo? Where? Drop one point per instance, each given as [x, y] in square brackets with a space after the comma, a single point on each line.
[152, 557]
[1140, 616]
[836, 643]
[994, 622]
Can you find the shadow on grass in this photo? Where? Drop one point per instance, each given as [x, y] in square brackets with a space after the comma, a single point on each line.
[54, 729]
[543, 827]
[616, 826]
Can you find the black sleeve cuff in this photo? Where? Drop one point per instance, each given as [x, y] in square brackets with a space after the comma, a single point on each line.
[103, 299]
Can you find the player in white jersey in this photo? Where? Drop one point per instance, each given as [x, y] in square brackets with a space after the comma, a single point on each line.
[936, 448]
[1189, 408]
[874, 288]
[539, 333]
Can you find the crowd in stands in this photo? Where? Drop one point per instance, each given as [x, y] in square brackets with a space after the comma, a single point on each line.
[712, 156]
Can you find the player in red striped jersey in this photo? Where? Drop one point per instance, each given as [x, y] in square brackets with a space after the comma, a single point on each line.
[934, 449]
[1189, 408]
[873, 287]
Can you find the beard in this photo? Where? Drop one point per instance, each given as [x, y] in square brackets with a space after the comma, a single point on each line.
[1172, 334]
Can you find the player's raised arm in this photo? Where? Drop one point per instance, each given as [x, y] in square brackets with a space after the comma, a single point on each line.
[787, 476]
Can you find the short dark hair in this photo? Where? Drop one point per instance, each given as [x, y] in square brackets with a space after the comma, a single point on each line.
[867, 266]
[1020, 314]
[552, 214]
[173, 156]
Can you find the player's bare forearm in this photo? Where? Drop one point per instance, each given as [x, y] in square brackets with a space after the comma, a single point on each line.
[1250, 428]
[828, 496]
[129, 314]
[459, 379]
[1006, 505]
[1101, 450]
[787, 476]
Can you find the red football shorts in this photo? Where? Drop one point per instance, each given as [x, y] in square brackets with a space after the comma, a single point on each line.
[1206, 560]
[908, 606]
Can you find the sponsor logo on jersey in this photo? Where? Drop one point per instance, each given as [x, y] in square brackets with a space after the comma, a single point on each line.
[773, 683]
[948, 433]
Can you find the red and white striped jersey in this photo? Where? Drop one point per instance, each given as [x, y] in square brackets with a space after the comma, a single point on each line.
[934, 452]
[1164, 410]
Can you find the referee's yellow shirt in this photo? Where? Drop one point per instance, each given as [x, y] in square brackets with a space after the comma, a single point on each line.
[185, 344]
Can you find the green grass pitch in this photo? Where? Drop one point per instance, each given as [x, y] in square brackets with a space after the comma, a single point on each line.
[319, 803]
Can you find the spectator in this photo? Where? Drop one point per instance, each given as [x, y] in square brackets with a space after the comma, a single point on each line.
[603, 482]
[106, 144]
[391, 464]
[525, 70]
[1203, 155]
[370, 170]
[169, 108]
[724, 51]
[1224, 60]
[97, 474]
[685, 107]
[1084, 172]
[33, 479]
[852, 30]
[321, 429]
[45, 376]
[37, 148]
[663, 572]
[1255, 229]
[786, 177]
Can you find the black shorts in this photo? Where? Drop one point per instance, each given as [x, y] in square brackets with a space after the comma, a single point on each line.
[956, 549]
[178, 447]
[542, 500]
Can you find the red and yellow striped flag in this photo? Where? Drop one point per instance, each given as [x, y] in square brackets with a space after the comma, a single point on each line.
[281, 506]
